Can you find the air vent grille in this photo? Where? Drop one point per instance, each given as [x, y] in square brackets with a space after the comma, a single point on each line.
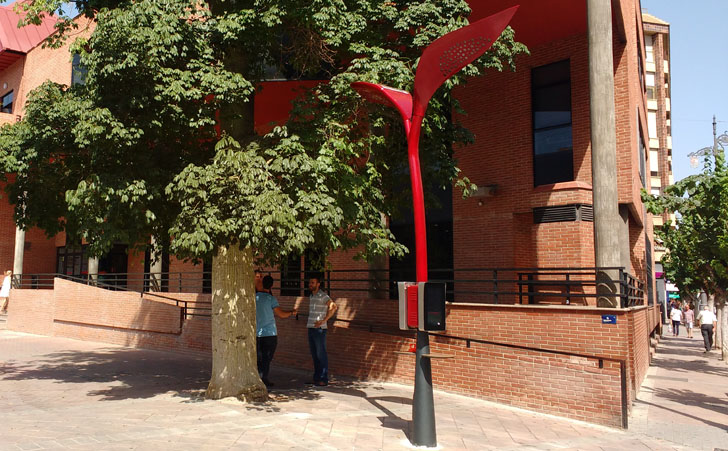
[563, 213]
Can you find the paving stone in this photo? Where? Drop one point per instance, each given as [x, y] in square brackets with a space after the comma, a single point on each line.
[65, 394]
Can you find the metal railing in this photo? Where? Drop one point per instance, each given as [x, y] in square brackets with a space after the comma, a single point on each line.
[146, 284]
[554, 286]
[564, 286]
[172, 282]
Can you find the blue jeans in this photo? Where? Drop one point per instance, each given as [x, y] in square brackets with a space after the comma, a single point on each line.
[317, 345]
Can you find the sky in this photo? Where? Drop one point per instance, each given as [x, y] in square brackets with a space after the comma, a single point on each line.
[698, 71]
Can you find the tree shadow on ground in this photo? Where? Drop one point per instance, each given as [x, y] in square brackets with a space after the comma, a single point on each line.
[698, 365]
[721, 426]
[691, 398]
[115, 374]
[691, 351]
[290, 385]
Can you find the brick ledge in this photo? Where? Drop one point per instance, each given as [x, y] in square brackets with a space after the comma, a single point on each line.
[563, 186]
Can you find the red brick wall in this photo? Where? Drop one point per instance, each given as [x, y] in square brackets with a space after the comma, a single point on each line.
[7, 231]
[44, 63]
[193, 339]
[565, 385]
[643, 323]
[500, 232]
[13, 76]
[84, 304]
[31, 311]
[87, 313]
[40, 253]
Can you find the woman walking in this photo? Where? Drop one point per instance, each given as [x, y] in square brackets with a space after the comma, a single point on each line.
[5, 291]
[689, 316]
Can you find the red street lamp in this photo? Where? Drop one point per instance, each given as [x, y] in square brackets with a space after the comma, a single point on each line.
[439, 61]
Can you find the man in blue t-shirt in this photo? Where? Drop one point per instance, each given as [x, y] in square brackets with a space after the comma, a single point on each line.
[266, 309]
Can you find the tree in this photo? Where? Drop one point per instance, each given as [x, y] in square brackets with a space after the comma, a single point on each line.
[697, 258]
[137, 153]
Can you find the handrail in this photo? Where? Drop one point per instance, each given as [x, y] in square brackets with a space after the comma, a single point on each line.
[465, 285]
[388, 330]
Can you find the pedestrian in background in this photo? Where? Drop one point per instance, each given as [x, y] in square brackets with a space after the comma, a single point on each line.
[676, 316]
[5, 291]
[708, 323]
[689, 318]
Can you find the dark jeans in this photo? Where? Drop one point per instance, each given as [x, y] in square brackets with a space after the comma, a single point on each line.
[266, 349]
[317, 345]
[675, 327]
[707, 331]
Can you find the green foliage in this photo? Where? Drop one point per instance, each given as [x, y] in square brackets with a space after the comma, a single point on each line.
[698, 242]
[132, 151]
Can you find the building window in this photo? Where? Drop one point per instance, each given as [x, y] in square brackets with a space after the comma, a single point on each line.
[642, 156]
[78, 71]
[552, 141]
[649, 49]
[7, 100]
[72, 260]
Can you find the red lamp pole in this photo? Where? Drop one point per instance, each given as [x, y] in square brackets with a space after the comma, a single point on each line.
[440, 60]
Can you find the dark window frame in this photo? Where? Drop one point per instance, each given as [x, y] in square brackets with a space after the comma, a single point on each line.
[7, 107]
[545, 162]
[78, 71]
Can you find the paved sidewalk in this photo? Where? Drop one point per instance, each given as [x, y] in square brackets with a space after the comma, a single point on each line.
[59, 393]
[684, 398]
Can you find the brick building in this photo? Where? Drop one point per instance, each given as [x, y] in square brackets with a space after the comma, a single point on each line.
[520, 331]
[24, 65]
[657, 47]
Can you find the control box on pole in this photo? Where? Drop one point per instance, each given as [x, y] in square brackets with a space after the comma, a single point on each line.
[422, 305]
[431, 305]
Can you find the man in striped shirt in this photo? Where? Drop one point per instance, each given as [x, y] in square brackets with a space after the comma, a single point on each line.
[320, 309]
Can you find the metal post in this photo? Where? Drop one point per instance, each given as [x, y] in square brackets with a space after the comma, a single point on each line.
[568, 289]
[530, 287]
[520, 288]
[423, 404]
[495, 285]
[423, 407]
[623, 386]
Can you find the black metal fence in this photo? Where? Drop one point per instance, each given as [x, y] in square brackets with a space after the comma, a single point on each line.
[556, 286]
[561, 286]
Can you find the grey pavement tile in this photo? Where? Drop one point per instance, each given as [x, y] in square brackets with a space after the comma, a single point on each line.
[70, 412]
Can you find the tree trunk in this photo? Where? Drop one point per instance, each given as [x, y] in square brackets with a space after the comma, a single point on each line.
[722, 335]
[234, 362]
